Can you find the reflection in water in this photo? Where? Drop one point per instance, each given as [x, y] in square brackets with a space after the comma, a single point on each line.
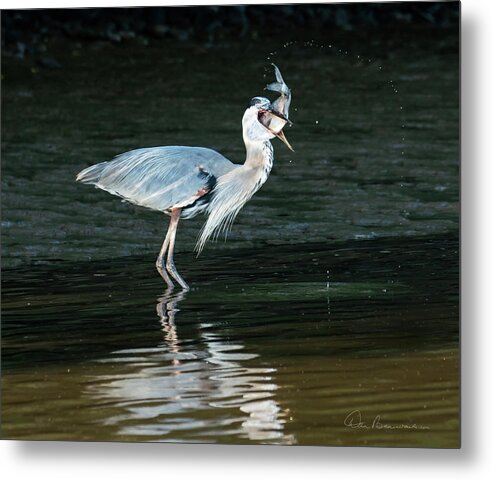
[163, 389]
[87, 358]
[166, 310]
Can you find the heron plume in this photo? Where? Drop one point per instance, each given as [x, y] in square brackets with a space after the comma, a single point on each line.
[231, 192]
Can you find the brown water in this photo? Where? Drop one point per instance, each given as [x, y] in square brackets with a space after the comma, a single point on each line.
[337, 290]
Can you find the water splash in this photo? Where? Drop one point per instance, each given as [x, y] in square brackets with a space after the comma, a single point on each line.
[331, 49]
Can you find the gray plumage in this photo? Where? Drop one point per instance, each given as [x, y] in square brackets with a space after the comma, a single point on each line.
[184, 181]
[160, 178]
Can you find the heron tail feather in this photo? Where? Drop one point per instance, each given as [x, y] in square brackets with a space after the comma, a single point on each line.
[91, 174]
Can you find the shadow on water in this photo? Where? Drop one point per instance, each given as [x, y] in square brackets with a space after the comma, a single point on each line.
[260, 350]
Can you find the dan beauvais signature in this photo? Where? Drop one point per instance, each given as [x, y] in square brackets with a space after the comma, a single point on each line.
[354, 420]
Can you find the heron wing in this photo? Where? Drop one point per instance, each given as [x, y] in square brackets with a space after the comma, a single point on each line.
[159, 178]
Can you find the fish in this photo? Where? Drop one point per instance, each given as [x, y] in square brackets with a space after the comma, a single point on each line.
[282, 103]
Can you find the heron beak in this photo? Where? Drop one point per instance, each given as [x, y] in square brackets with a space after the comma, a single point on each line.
[266, 121]
[281, 135]
[281, 116]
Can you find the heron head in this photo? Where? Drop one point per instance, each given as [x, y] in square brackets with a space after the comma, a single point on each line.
[261, 122]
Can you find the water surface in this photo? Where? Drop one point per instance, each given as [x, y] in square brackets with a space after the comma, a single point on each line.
[269, 354]
[336, 292]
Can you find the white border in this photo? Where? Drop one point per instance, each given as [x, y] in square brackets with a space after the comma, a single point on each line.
[81, 461]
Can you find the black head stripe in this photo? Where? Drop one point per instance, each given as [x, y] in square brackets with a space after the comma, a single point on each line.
[259, 101]
[254, 101]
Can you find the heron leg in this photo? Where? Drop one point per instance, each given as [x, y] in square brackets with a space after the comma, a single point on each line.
[160, 262]
[170, 267]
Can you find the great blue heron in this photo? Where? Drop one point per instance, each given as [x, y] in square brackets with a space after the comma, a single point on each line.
[185, 181]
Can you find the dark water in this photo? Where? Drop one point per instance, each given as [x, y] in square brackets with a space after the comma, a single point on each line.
[337, 290]
[266, 354]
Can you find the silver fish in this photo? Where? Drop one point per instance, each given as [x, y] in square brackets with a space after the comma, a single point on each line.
[282, 103]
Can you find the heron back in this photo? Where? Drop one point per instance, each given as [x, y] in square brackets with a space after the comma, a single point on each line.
[160, 178]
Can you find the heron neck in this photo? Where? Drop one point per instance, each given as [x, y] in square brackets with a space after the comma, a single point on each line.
[259, 155]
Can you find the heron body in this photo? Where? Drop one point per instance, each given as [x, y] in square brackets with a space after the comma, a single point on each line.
[185, 181]
[162, 178]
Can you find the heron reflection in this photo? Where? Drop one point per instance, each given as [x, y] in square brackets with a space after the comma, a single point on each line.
[166, 308]
[164, 391]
